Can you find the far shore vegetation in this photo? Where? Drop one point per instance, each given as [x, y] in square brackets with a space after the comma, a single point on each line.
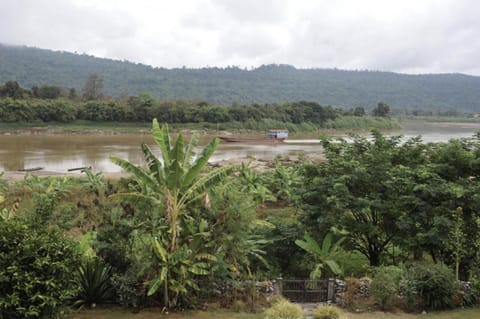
[57, 107]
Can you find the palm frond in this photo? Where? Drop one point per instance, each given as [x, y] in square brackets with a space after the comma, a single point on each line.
[199, 269]
[327, 243]
[154, 285]
[205, 256]
[175, 170]
[190, 151]
[309, 245]
[200, 162]
[140, 174]
[206, 182]
[134, 198]
[153, 163]
[334, 267]
[160, 251]
[161, 136]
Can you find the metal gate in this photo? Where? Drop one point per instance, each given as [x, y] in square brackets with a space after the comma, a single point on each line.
[305, 290]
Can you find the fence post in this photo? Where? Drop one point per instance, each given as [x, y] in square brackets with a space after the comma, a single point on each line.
[331, 290]
[279, 290]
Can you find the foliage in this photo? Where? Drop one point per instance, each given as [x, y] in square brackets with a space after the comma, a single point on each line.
[434, 284]
[284, 310]
[252, 182]
[95, 285]
[348, 122]
[169, 187]
[351, 190]
[36, 269]
[382, 110]
[323, 255]
[385, 285]
[326, 312]
[93, 87]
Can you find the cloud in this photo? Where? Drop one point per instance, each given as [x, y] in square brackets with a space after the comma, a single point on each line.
[408, 36]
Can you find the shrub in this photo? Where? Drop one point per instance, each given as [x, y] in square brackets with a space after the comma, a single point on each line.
[434, 285]
[385, 284]
[284, 310]
[35, 271]
[95, 286]
[326, 312]
[129, 288]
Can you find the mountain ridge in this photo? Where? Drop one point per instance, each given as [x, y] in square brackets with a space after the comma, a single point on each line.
[274, 83]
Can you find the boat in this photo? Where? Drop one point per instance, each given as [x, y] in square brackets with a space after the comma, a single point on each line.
[272, 136]
[33, 169]
[279, 135]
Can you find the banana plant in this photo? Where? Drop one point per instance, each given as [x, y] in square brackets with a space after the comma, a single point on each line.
[176, 271]
[324, 255]
[172, 183]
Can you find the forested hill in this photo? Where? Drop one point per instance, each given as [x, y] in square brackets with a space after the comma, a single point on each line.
[266, 84]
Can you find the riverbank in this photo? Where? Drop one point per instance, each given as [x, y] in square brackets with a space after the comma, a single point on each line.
[341, 124]
[257, 164]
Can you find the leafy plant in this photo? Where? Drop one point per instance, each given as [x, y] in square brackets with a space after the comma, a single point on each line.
[36, 268]
[95, 286]
[170, 185]
[324, 255]
[284, 310]
[434, 284]
[385, 284]
[326, 312]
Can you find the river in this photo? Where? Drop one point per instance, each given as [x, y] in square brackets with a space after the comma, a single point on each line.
[60, 152]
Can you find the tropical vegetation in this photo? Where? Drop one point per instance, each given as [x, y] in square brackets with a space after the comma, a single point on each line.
[397, 219]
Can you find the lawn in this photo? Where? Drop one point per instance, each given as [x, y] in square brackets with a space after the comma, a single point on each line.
[155, 314]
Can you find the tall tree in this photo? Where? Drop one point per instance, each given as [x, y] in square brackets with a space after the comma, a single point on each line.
[93, 88]
[382, 110]
[363, 187]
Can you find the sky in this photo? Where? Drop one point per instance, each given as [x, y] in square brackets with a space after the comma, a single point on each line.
[407, 36]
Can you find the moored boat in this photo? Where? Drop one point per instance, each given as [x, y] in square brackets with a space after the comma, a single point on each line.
[272, 135]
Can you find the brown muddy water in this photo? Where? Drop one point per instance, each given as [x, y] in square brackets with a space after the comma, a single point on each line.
[60, 152]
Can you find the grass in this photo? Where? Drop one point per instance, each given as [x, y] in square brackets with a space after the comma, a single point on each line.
[363, 123]
[453, 314]
[342, 122]
[156, 314]
[447, 119]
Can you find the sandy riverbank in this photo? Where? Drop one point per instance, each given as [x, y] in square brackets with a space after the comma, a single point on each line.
[258, 164]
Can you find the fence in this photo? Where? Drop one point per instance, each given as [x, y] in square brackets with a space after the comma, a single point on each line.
[305, 290]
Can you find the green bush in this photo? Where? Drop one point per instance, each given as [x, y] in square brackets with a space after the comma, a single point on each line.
[386, 284]
[434, 284]
[284, 310]
[35, 271]
[326, 312]
[95, 285]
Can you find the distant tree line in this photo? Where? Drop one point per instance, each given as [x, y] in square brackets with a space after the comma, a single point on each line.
[49, 103]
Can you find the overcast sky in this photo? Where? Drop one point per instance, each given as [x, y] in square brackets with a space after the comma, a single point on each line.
[411, 36]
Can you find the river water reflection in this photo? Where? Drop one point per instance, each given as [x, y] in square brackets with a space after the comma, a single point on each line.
[60, 152]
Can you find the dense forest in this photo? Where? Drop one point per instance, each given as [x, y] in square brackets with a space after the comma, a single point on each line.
[233, 85]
